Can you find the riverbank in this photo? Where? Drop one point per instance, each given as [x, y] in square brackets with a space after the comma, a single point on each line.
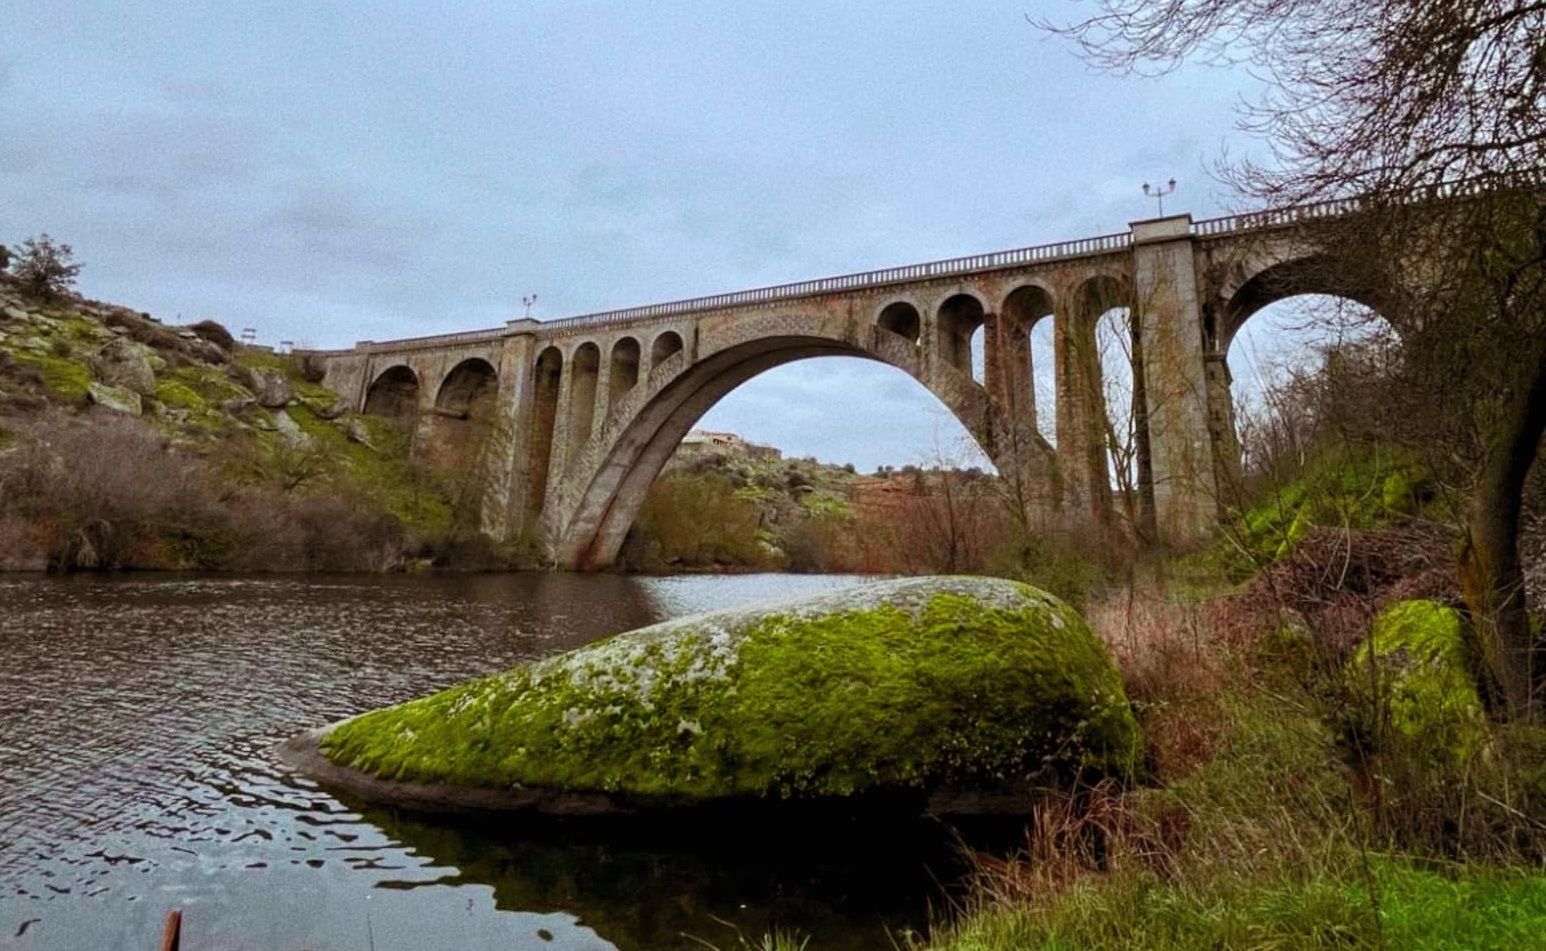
[126, 443]
[1308, 787]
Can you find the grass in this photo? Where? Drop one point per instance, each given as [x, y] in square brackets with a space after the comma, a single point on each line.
[1390, 903]
[65, 378]
[1263, 828]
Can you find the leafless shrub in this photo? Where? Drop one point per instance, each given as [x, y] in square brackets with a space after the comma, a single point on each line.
[45, 269]
[215, 333]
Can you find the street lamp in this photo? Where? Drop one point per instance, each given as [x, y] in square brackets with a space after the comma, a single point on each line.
[1158, 193]
[527, 301]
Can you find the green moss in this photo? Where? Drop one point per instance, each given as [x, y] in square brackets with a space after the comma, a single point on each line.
[1412, 676]
[66, 379]
[382, 472]
[211, 384]
[179, 395]
[1364, 490]
[948, 691]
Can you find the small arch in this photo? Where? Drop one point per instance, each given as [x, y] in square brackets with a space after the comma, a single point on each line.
[583, 369]
[666, 345]
[545, 385]
[394, 394]
[623, 375]
[903, 319]
[1027, 304]
[469, 390]
[959, 318]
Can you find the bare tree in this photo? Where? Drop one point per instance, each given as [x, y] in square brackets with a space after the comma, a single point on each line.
[1397, 101]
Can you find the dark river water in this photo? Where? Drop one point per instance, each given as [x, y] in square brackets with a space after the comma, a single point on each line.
[137, 715]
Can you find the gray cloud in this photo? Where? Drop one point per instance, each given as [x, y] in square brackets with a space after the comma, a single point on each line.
[328, 176]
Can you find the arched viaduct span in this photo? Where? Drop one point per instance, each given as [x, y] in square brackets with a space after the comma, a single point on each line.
[566, 422]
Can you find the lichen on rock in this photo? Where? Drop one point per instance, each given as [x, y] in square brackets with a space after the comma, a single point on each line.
[919, 684]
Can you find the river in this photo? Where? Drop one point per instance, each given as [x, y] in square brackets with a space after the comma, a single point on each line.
[137, 718]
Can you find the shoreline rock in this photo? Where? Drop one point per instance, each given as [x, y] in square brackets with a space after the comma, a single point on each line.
[967, 692]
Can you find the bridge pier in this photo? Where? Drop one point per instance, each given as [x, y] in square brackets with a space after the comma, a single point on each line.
[1174, 379]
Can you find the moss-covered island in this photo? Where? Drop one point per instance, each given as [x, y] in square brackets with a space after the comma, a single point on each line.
[936, 685]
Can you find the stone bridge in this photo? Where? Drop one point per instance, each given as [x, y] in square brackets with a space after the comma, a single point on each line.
[566, 422]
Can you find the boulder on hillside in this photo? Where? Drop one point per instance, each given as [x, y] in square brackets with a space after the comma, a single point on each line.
[290, 431]
[967, 690]
[116, 398]
[271, 388]
[329, 408]
[1411, 684]
[126, 364]
[357, 432]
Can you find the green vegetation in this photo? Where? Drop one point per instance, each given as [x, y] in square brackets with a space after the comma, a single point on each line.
[198, 475]
[929, 683]
[1388, 904]
[65, 378]
[1363, 488]
[1411, 681]
[1271, 827]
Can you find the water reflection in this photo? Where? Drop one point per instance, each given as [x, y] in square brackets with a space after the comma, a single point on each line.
[136, 719]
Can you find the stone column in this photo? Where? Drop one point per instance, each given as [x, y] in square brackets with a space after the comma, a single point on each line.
[1081, 408]
[1175, 379]
[505, 500]
[1007, 368]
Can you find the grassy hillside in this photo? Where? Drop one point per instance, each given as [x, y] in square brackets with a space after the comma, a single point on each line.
[127, 443]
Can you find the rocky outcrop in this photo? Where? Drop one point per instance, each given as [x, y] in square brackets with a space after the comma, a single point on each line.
[968, 690]
[126, 364]
[116, 398]
[272, 389]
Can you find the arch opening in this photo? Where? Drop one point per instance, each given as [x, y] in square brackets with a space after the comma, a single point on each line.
[666, 345]
[960, 317]
[1286, 371]
[584, 369]
[546, 378]
[598, 524]
[1113, 439]
[1027, 358]
[394, 395]
[902, 319]
[468, 391]
[623, 374]
[463, 421]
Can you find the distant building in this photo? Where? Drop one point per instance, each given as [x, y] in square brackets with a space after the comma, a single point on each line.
[704, 440]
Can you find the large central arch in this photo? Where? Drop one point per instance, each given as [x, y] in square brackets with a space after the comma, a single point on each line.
[614, 471]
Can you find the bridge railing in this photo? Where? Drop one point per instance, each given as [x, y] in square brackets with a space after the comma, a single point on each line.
[1036, 254]
[894, 275]
[1294, 214]
[433, 340]
[1274, 217]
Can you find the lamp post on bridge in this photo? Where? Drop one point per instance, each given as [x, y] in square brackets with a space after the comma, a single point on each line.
[1158, 193]
[527, 301]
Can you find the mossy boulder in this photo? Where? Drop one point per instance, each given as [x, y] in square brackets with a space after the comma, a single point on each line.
[1412, 683]
[949, 686]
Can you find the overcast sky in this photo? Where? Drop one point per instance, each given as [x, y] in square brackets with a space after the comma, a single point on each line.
[327, 172]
